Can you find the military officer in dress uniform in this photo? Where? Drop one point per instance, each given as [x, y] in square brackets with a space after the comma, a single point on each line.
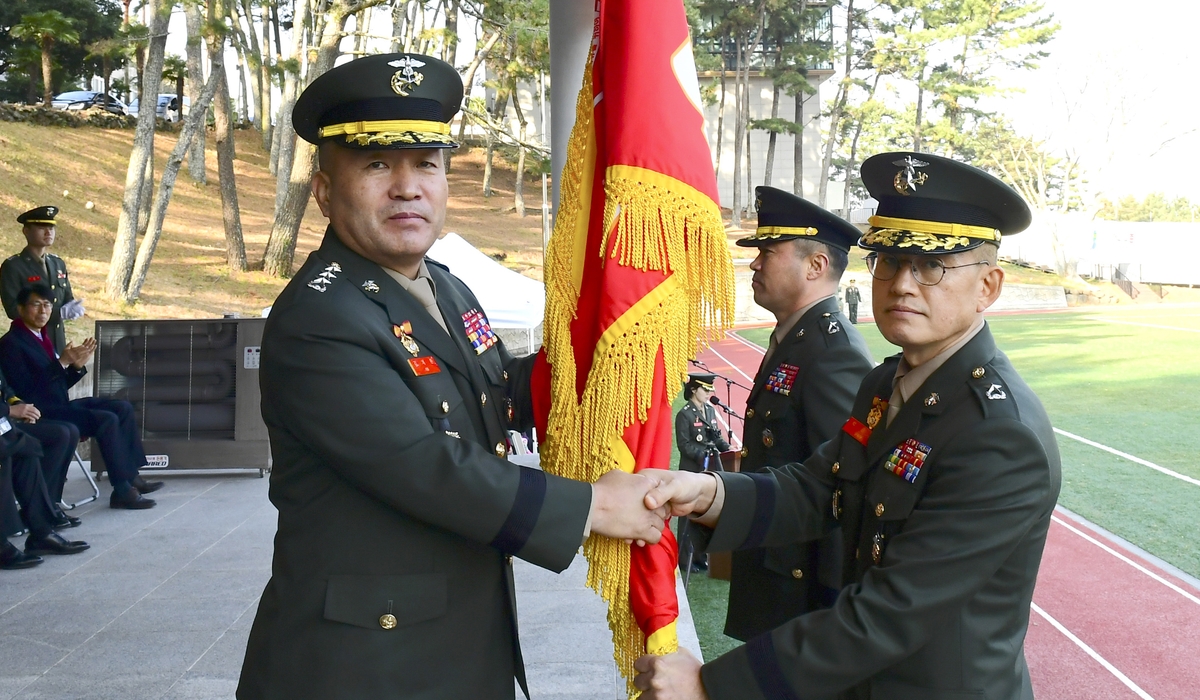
[853, 296]
[943, 479]
[801, 396]
[385, 393]
[37, 265]
[698, 437]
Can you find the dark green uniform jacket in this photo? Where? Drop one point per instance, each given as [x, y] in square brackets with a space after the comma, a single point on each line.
[940, 561]
[392, 573]
[24, 270]
[698, 434]
[801, 397]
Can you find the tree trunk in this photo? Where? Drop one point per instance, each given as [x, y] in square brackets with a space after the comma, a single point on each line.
[839, 108]
[281, 246]
[243, 78]
[146, 195]
[519, 186]
[399, 20]
[920, 115]
[469, 78]
[125, 246]
[191, 128]
[235, 248]
[858, 126]
[487, 164]
[451, 44]
[770, 164]
[720, 123]
[106, 66]
[47, 75]
[195, 71]
[738, 127]
[798, 148]
[285, 134]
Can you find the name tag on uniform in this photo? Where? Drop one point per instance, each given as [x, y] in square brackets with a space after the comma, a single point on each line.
[422, 366]
[5, 426]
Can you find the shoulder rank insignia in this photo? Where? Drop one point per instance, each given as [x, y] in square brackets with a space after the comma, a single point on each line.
[479, 332]
[782, 379]
[322, 280]
[907, 459]
[834, 327]
[996, 392]
[878, 406]
[403, 332]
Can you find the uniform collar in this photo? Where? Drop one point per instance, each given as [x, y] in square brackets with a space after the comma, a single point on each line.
[786, 326]
[910, 378]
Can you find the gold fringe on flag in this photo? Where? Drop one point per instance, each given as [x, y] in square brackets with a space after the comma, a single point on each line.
[653, 222]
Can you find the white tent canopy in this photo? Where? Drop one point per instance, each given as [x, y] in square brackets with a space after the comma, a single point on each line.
[510, 299]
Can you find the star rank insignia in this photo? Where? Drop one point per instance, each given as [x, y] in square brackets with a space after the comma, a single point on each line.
[407, 77]
[907, 179]
[323, 279]
[403, 332]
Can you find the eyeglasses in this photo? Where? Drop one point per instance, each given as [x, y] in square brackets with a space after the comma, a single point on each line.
[39, 304]
[927, 271]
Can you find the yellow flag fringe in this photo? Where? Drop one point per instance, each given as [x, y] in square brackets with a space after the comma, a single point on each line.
[653, 222]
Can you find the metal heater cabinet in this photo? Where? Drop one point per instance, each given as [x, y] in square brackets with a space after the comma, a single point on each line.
[194, 389]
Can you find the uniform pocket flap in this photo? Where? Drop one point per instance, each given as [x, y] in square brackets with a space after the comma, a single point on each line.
[895, 690]
[365, 601]
[892, 498]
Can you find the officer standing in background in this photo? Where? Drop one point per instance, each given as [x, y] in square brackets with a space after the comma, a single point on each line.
[386, 392]
[853, 296]
[801, 396]
[698, 437]
[37, 265]
[943, 480]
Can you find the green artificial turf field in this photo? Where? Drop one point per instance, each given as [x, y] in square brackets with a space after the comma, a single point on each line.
[1125, 377]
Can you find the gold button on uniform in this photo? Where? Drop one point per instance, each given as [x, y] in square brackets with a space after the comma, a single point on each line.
[797, 574]
[505, 375]
[387, 621]
[501, 450]
[745, 452]
[878, 510]
[977, 373]
[749, 413]
[445, 407]
[836, 467]
[483, 399]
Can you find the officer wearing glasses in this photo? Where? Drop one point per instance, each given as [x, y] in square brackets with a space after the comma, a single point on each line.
[942, 480]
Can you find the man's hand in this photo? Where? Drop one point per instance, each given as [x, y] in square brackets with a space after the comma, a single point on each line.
[619, 510]
[24, 412]
[682, 493]
[671, 677]
[78, 355]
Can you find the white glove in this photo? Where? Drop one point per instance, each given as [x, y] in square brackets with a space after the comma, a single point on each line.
[72, 310]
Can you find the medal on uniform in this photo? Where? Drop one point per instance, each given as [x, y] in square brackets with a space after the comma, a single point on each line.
[479, 331]
[768, 438]
[907, 459]
[782, 379]
[402, 332]
[878, 406]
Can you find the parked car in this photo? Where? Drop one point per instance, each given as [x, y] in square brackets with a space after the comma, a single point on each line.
[166, 107]
[83, 99]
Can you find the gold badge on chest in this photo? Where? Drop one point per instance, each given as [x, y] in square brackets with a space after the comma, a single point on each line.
[878, 406]
[402, 332]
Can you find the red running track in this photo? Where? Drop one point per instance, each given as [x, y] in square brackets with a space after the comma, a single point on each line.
[1107, 623]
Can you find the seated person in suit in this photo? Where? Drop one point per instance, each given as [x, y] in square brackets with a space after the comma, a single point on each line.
[21, 472]
[58, 440]
[42, 377]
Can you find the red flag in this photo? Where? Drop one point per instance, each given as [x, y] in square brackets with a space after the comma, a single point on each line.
[638, 272]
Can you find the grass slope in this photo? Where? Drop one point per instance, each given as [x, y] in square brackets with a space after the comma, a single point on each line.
[188, 278]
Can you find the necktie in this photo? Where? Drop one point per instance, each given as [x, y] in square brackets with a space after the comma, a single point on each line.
[422, 289]
[894, 402]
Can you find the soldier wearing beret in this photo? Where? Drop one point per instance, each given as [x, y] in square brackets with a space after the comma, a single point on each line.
[943, 480]
[802, 394]
[700, 443]
[37, 265]
[387, 395]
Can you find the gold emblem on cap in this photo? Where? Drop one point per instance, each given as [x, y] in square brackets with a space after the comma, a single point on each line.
[907, 179]
[405, 79]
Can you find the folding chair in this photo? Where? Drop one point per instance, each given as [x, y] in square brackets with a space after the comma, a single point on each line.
[95, 489]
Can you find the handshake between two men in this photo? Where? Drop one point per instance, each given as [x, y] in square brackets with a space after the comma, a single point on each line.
[635, 507]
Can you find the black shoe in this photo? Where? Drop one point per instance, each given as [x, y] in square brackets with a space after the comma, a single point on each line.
[13, 558]
[63, 521]
[130, 499]
[144, 486]
[53, 544]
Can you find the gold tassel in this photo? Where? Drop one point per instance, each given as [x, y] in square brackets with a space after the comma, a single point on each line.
[655, 223]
